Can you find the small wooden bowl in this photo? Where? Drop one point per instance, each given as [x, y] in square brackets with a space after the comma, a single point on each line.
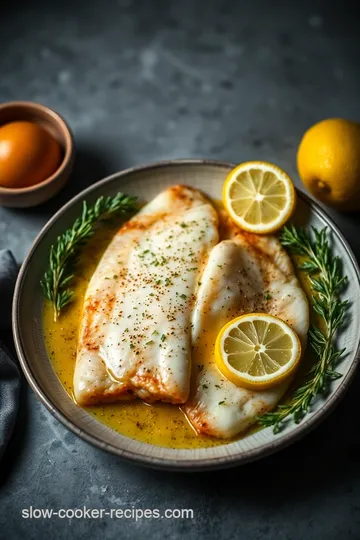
[58, 128]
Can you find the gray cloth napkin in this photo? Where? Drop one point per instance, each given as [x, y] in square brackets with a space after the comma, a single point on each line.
[9, 372]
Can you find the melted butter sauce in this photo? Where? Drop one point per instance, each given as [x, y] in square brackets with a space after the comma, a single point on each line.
[160, 424]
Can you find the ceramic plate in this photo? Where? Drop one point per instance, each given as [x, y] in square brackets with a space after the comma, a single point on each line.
[146, 182]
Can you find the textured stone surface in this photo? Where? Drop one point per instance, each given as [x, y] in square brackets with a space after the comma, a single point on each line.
[143, 81]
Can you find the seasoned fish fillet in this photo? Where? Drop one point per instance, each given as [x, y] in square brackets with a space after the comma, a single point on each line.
[244, 274]
[135, 338]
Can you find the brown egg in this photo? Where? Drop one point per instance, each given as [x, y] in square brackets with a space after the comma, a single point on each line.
[28, 154]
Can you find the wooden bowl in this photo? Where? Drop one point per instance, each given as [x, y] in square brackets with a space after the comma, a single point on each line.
[58, 128]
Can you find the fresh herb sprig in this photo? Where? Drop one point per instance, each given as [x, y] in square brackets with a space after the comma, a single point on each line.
[327, 282]
[63, 254]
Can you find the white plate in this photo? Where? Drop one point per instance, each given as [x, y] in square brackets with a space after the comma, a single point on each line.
[146, 182]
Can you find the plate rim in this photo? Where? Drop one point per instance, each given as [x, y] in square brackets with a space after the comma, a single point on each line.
[176, 463]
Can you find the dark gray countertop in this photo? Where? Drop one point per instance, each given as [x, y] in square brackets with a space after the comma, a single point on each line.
[144, 81]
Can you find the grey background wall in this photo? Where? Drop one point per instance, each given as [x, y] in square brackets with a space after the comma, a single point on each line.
[144, 81]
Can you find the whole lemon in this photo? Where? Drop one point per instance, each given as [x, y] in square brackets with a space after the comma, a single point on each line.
[328, 162]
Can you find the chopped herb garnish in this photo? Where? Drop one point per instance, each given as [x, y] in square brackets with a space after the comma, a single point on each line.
[163, 337]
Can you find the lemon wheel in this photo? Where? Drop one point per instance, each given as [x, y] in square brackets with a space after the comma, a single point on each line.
[259, 196]
[257, 351]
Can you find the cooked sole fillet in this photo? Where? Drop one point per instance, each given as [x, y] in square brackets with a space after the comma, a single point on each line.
[244, 274]
[135, 338]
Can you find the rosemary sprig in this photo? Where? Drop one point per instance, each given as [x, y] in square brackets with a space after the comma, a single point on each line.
[63, 254]
[327, 282]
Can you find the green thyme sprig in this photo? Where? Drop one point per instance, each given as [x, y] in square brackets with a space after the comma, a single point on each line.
[327, 282]
[63, 254]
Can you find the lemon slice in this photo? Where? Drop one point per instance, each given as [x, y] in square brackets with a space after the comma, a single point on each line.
[257, 351]
[259, 196]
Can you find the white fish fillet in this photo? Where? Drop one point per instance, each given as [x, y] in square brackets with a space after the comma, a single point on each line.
[135, 331]
[244, 274]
